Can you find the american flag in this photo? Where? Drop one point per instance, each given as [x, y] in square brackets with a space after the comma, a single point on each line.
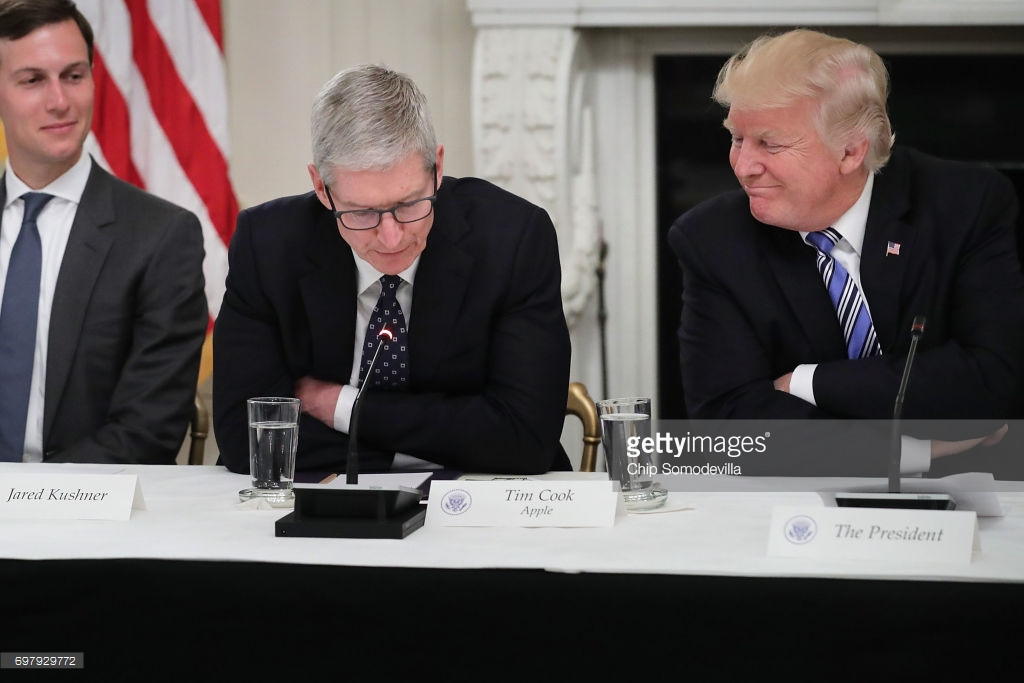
[893, 248]
[161, 119]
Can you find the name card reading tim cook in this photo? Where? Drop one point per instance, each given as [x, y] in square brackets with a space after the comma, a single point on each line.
[69, 496]
[883, 535]
[520, 502]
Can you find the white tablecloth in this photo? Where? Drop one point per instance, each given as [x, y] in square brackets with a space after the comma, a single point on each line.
[193, 513]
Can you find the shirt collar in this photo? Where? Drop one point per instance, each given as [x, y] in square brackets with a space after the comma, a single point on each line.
[368, 275]
[70, 185]
[852, 224]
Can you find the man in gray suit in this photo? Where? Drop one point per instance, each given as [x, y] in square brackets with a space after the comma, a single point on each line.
[102, 309]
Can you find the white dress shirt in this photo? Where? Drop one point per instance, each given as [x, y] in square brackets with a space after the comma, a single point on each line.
[369, 292]
[54, 224]
[916, 454]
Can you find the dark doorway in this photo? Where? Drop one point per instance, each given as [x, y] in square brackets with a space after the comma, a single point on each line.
[954, 106]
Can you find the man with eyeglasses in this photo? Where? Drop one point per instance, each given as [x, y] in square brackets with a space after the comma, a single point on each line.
[465, 276]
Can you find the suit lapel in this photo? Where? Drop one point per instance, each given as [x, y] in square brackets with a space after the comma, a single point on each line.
[882, 274]
[88, 244]
[441, 283]
[329, 296]
[792, 262]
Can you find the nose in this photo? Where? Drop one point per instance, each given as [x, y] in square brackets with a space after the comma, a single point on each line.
[389, 232]
[57, 100]
[746, 161]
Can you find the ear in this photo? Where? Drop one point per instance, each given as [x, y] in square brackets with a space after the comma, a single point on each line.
[853, 156]
[440, 164]
[318, 185]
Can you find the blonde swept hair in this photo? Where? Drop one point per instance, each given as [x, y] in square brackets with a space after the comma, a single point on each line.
[849, 81]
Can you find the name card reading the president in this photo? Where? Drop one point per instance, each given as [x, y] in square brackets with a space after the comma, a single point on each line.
[69, 496]
[879, 534]
[521, 502]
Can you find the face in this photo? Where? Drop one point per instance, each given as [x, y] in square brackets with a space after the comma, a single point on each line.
[391, 247]
[793, 179]
[46, 100]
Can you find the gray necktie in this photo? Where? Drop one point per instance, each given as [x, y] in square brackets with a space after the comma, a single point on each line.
[19, 315]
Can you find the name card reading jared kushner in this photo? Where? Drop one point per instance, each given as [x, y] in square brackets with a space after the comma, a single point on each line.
[522, 502]
[878, 534]
[69, 496]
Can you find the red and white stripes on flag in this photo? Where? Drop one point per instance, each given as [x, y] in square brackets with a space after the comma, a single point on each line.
[160, 118]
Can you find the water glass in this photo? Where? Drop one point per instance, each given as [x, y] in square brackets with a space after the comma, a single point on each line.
[625, 423]
[273, 440]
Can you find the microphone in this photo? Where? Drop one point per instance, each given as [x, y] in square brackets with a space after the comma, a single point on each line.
[895, 499]
[355, 511]
[352, 460]
[895, 446]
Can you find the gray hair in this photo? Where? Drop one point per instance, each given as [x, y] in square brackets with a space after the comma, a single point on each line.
[370, 117]
[849, 81]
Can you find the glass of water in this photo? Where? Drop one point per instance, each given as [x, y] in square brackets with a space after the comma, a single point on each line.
[625, 423]
[273, 440]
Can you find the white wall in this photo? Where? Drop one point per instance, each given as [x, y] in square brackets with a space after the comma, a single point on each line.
[279, 53]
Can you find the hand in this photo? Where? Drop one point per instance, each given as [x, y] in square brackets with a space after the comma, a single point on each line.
[782, 383]
[943, 448]
[319, 398]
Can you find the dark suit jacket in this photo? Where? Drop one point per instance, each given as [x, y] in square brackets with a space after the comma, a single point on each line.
[754, 306]
[489, 347]
[126, 328]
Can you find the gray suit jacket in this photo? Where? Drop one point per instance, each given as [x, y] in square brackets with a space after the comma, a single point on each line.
[126, 328]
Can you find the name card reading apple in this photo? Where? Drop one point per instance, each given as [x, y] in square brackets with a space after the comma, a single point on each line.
[521, 502]
[878, 534]
[69, 496]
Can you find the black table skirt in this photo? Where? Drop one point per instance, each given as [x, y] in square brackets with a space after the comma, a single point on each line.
[156, 620]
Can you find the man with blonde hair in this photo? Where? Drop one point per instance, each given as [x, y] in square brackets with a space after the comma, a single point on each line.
[799, 290]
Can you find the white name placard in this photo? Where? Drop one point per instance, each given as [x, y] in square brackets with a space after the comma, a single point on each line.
[69, 496]
[878, 534]
[525, 503]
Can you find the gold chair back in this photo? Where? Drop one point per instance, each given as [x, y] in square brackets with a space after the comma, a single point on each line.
[582, 406]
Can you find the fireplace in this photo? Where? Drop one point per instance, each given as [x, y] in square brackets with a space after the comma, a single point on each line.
[600, 111]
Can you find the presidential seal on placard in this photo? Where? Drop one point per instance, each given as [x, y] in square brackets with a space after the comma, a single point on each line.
[456, 501]
[800, 529]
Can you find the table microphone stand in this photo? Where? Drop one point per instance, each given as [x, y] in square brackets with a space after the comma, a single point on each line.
[355, 511]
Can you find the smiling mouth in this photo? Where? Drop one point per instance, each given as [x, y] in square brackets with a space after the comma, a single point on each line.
[749, 189]
[59, 127]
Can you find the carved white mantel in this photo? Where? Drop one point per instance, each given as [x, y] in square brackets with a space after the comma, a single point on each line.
[562, 102]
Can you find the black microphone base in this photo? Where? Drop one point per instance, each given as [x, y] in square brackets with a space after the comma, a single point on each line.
[397, 527]
[353, 513]
[904, 501]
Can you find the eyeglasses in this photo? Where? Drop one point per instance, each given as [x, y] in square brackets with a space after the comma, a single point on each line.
[368, 219]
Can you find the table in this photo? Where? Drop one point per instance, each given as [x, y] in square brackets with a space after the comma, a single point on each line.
[184, 585]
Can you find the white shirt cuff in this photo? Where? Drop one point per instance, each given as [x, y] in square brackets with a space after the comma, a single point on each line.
[915, 455]
[343, 411]
[801, 384]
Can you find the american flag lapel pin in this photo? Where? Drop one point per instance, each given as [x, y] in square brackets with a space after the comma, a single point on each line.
[893, 249]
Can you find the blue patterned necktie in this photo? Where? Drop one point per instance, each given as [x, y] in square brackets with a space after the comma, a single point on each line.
[19, 314]
[392, 369]
[851, 309]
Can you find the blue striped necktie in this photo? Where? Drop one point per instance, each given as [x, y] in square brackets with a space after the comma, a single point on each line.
[19, 314]
[851, 309]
